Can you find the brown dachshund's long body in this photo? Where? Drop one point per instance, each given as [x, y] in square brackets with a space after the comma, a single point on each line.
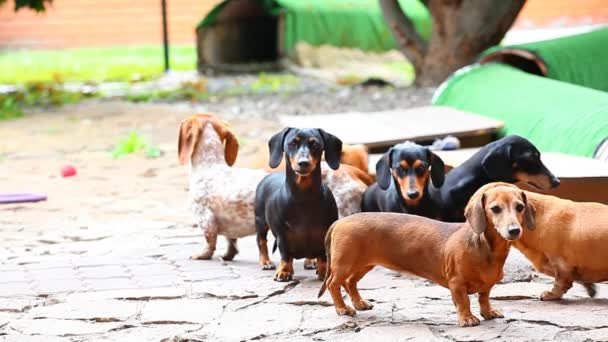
[570, 242]
[465, 257]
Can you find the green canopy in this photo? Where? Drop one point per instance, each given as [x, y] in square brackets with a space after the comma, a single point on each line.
[342, 23]
[556, 116]
[579, 59]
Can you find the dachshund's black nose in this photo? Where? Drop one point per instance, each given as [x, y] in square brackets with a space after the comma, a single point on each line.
[554, 182]
[412, 194]
[514, 231]
[304, 164]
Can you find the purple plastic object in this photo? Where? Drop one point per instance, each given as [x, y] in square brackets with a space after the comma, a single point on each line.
[21, 198]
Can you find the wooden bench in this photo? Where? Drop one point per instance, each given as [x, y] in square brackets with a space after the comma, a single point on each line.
[380, 130]
[582, 179]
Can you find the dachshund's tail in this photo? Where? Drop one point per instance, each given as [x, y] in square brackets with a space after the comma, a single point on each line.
[328, 255]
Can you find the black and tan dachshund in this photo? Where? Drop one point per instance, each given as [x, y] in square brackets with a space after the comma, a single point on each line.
[295, 204]
[402, 176]
[510, 159]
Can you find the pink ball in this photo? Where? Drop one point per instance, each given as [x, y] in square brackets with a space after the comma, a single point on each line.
[68, 171]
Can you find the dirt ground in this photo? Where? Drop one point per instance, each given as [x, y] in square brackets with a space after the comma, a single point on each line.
[105, 258]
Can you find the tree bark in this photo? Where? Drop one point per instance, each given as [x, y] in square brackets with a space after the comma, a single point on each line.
[462, 29]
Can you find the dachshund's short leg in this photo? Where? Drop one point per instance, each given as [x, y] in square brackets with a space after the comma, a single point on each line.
[310, 264]
[463, 305]
[563, 282]
[285, 271]
[487, 311]
[262, 240]
[232, 250]
[334, 286]
[591, 289]
[209, 227]
[351, 287]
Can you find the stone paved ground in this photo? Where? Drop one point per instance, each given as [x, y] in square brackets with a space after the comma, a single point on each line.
[106, 257]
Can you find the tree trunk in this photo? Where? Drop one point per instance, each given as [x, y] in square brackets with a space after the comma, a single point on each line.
[462, 29]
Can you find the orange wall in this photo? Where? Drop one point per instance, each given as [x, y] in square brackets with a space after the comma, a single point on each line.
[77, 23]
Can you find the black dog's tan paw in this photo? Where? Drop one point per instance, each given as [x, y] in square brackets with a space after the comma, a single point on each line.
[468, 321]
[550, 295]
[268, 265]
[310, 264]
[206, 255]
[346, 311]
[493, 313]
[591, 289]
[283, 276]
[363, 305]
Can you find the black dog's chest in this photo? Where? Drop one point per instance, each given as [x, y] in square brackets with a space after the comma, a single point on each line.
[304, 232]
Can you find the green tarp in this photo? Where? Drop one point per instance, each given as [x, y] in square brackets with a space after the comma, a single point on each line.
[341, 23]
[556, 116]
[579, 59]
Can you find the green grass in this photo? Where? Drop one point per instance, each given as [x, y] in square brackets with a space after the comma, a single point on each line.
[91, 64]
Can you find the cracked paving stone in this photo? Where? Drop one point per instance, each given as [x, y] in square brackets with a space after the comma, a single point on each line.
[171, 279]
[18, 304]
[110, 284]
[145, 333]
[520, 331]
[388, 333]
[103, 272]
[52, 286]
[182, 311]
[572, 313]
[243, 287]
[34, 338]
[131, 294]
[16, 288]
[54, 273]
[59, 327]
[96, 310]
[486, 331]
[270, 319]
[582, 335]
[154, 269]
[14, 276]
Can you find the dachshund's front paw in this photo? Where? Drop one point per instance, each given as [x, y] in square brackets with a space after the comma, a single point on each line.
[267, 265]
[468, 321]
[591, 289]
[363, 305]
[283, 276]
[550, 295]
[229, 255]
[310, 264]
[346, 311]
[206, 255]
[492, 313]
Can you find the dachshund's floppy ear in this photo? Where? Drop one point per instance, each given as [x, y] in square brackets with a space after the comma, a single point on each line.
[231, 149]
[476, 215]
[529, 213]
[333, 149]
[497, 164]
[383, 170]
[275, 146]
[187, 141]
[437, 169]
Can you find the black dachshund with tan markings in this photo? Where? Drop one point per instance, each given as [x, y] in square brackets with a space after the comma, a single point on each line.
[295, 204]
[404, 175]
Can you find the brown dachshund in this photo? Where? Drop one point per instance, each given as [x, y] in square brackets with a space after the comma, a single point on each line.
[570, 242]
[465, 257]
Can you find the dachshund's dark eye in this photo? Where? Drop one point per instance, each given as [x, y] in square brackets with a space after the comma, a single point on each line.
[314, 145]
[420, 169]
[496, 209]
[292, 144]
[519, 207]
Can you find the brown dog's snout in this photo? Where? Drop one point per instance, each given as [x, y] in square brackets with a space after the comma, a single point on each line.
[514, 231]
